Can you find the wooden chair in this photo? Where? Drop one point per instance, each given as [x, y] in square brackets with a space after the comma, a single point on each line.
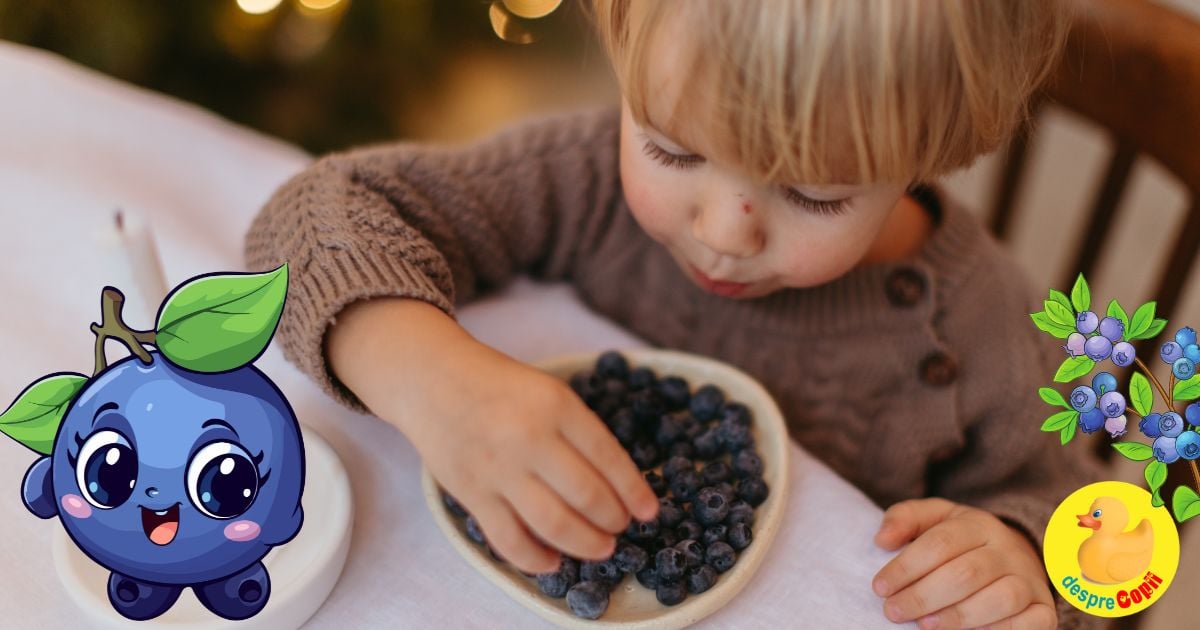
[1133, 68]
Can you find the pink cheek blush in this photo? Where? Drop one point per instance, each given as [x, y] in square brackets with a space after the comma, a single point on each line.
[74, 505]
[242, 531]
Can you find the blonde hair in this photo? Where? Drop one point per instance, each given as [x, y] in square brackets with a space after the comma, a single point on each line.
[924, 86]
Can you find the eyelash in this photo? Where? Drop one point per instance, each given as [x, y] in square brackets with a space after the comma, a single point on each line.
[671, 160]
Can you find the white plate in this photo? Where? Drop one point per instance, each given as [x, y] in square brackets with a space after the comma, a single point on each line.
[303, 571]
[631, 605]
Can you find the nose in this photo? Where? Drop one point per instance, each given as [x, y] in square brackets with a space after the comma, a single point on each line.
[151, 492]
[730, 228]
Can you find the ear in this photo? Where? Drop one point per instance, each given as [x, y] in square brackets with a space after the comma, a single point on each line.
[37, 489]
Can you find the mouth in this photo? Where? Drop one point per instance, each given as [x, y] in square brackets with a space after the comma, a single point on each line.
[726, 289]
[161, 526]
[1086, 520]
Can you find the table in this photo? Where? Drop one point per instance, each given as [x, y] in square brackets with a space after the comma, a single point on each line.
[77, 145]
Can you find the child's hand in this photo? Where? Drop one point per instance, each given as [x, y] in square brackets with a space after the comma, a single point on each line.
[964, 569]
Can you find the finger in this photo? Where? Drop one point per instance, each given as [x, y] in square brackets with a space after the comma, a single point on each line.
[1036, 617]
[574, 479]
[556, 523]
[602, 449]
[933, 548]
[946, 585]
[906, 520]
[1001, 599]
[508, 535]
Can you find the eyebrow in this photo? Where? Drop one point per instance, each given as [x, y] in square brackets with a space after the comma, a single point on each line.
[105, 407]
[215, 422]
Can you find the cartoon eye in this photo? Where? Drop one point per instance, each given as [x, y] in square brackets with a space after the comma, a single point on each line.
[1096, 514]
[106, 469]
[222, 481]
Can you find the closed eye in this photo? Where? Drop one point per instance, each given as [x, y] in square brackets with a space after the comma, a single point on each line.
[827, 208]
[672, 160]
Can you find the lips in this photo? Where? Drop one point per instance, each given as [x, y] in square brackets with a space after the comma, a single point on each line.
[161, 526]
[727, 289]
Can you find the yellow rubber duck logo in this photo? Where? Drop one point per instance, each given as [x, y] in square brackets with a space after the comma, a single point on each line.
[1109, 551]
[1112, 555]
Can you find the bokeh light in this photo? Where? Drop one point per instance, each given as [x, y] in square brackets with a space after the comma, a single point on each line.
[258, 7]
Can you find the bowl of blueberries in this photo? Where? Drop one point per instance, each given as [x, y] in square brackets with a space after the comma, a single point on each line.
[712, 444]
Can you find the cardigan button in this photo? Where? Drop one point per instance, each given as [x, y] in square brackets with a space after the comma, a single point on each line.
[938, 369]
[905, 286]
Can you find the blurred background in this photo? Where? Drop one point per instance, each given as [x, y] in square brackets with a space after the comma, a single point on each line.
[326, 75]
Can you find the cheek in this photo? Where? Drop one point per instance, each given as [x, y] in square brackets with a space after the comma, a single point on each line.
[653, 197]
[74, 505]
[242, 531]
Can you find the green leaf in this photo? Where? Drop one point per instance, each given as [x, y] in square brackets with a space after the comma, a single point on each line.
[1115, 310]
[1187, 390]
[1060, 420]
[1044, 323]
[1081, 296]
[1141, 394]
[1185, 503]
[34, 416]
[1136, 451]
[1061, 298]
[1066, 434]
[1156, 474]
[1156, 499]
[1052, 397]
[1141, 320]
[1156, 327]
[1059, 314]
[220, 322]
[1072, 368]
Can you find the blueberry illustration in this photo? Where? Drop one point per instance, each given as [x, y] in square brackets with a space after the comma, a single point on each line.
[740, 536]
[1112, 329]
[1103, 383]
[1124, 354]
[747, 463]
[1185, 336]
[630, 558]
[671, 564]
[674, 392]
[670, 593]
[720, 556]
[710, 507]
[1171, 352]
[1165, 451]
[1097, 348]
[1115, 426]
[1083, 399]
[1183, 369]
[557, 584]
[1170, 424]
[701, 579]
[1149, 425]
[1086, 322]
[588, 599]
[1091, 420]
[1075, 343]
[1192, 352]
[1112, 404]
[612, 364]
[1188, 445]
[1192, 413]
[706, 402]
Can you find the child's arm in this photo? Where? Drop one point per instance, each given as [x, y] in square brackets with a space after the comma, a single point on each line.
[388, 240]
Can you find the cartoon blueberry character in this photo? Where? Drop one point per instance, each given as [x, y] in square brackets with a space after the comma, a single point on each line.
[167, 476]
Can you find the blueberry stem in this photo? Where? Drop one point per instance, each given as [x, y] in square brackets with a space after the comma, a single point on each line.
[114, 327]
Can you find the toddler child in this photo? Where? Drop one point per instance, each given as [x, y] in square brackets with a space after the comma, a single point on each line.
[766, 195]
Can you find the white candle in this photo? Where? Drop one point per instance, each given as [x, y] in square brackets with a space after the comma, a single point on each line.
[128, 260]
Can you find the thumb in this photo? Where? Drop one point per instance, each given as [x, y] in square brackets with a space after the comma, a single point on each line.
[904, 521]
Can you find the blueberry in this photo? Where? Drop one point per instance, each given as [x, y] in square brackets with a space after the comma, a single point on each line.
[642, 530]
[588, 599]
[689, 529]
[1103, 383]
[1149, 425]
[710, 507]
[670, 564]
[630, 558]
[1183, 369]
[720, 556]
[740, 512]
[1112, 404]
[691, 427]
[669, 431]
[1112, 329]
[616, 388]
[612, 364]
[1097, 348]
[666, 538]
[1192, 352]
[647, 405]
[557, 584]
[708, 443]
[737, 412]
[753, 490]
[644, 454]
[675, 392]
[747, 463]
[682, 449]
[1165, 451]
[714, 533]
[641, 378]
[1192, 413]
[716, 472]
[605, 571]
[726, 489]
[648, 577]
[740, 536]
[1171, 352]
[1185, 336]
[657, 483]
[454, 506]
[586, 385]
[1086, 322]
[1074, 345]
[606, 405]
[1115, 426]
[706, 402]
[734, 436]
[685, 484]
[1123, 354]
[1083, 398]
[669, 514]
[701, 579]
[693, 552]
[1170, 424]
[1092, 420]
[624, 426]
[676, 465]
[670, 593]
[1188, 445]
[474, 532]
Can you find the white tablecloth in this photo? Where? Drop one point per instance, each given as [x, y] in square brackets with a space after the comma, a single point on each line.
[75, 145]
